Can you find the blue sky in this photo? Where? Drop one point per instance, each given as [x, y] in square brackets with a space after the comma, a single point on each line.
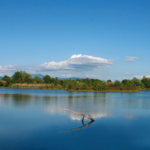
[102, 39]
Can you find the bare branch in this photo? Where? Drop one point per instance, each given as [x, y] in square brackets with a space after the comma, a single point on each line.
[87, 116]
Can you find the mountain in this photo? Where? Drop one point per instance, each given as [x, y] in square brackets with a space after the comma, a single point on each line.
[39, 75]
[1, 77]
[72, 78]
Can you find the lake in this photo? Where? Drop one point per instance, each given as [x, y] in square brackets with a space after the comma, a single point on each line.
[30, 120]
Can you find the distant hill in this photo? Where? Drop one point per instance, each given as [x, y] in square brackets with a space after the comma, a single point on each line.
[39, 75]
[72, 78]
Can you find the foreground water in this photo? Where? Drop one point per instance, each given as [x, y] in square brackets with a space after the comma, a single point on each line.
[29, 119]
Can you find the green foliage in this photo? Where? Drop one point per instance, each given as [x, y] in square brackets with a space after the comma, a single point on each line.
[34, 82]
[84, 86]
[7, 79]
[65, 84]
[142, 86]
[37, 79]
[102, 86]
[95, 85]
[21, 77]
[117, 83]
[52, 80]
[47, 79]
[125, 82]
[24, 74]
[61, 82]
[136, 81]
[47, 87]
[56, 81]
[17, 77]
[146, 82]
[130, 83]
[78, 84]
[88, 82]
[27, 78]
[1, 83]
[109, 80]
[69, 84]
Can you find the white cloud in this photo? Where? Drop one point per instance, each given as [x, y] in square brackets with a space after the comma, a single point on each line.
[10, 69]
[68, 75]
[140, 77]
[76, 62]
[7, 68]
[128, 58]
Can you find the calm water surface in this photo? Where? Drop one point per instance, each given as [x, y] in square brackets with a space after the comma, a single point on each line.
[30, 120]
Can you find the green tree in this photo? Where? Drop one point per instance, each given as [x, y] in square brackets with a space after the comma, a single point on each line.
[27, 78]
[95, 85]
[130, 84]
[56, 81]
[136, 81]
[117, 83]
[70, 85]
[84, 86]
[65, 84]
[77, 84]
[145, 82]
[47, 79]
[109, 80]
[52, 80]
[142, 85]
[17, 78]
[37, 79]
[7, 79]
[125, 82]
[1, 83]
[61, 82]
[88, 82]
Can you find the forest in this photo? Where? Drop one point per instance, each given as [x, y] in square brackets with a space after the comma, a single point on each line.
[22, 79]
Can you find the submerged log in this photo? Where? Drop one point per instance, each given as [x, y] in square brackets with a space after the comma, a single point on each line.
[84, 116]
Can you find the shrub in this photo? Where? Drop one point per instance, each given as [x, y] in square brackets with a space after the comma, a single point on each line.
[117, 83]
[47, 79]
[109, 80]
[6, 80]
[1, 83]
[84, 86]
[95, 85]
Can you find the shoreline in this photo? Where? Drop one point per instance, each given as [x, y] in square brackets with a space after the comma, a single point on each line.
[71, 90]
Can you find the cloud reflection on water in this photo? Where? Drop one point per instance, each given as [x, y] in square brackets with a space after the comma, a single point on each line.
[98, 105]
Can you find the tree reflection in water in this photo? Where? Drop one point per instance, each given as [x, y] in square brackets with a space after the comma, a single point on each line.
[21, 99]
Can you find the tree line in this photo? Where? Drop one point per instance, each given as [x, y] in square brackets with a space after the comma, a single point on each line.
[96, 84]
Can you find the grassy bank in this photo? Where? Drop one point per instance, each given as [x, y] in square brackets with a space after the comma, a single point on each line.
[35, 86]
[103, 90]
[59, 87]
